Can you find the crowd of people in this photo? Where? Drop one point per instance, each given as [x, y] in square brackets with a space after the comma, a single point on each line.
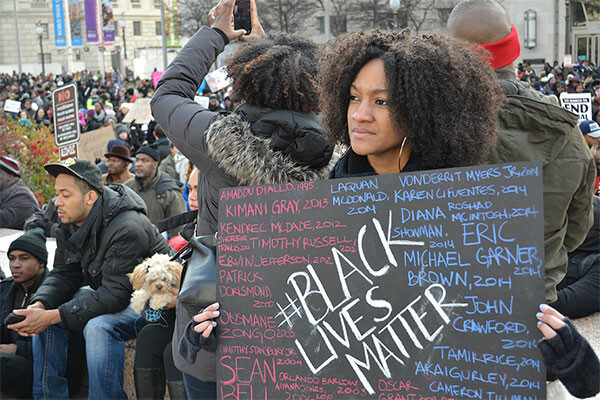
[292, 113]
[102, 101]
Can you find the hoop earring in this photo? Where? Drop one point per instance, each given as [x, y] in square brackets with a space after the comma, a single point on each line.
[400, 155]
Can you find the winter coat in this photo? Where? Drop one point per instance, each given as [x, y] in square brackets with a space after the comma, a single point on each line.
[114, 238]
[8, 292]
[251, 146]
[162, 196]
[17, 203]
[534, 128]
[231, 152]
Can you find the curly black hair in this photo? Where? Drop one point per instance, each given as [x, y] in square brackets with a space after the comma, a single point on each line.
[442, 92]
[278, 72]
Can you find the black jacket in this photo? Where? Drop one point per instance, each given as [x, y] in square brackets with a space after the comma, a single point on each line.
[8, 292]
[352, 165]
[114, 238]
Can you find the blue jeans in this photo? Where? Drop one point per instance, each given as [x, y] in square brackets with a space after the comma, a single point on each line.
[199, 390]
[105, 337]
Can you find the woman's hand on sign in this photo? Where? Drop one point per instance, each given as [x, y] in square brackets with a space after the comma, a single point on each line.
[205, 320]
[549, 320]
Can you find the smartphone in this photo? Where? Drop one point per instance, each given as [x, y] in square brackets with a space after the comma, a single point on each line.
[13, 319]
[241, 16]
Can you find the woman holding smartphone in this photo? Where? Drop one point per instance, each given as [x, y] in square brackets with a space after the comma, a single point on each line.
[274, 137]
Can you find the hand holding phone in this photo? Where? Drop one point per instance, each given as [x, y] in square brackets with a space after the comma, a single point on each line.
[223, 19]
[13, 318]
[242, 16]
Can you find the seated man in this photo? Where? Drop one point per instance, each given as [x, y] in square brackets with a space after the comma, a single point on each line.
[17, 201]
[27, 260]
[118, 160]
[160, 192]
[104, 233]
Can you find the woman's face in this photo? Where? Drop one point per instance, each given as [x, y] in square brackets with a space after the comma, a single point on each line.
[371, 128]
[40, 113]
[193, 190]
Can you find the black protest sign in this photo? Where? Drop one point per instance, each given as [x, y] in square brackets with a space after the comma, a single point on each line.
[412, 286]
[66, 122]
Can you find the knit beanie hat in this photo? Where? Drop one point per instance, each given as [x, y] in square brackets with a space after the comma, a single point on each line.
[151, 150]
[33, 242]
[10, 165]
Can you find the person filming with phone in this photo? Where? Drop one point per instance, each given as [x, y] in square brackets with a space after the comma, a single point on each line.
[274, 137]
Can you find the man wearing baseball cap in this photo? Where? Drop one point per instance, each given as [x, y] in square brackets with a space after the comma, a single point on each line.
[17, 201]
[591, 132]
[104, 233]
[117, 164]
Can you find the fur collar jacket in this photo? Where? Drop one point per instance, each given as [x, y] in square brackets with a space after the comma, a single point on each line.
[259, 146]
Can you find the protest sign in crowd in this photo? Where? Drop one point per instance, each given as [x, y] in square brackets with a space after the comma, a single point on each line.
[388, 216]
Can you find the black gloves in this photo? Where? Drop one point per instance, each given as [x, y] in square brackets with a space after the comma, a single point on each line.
[571, 359]
[192, 342]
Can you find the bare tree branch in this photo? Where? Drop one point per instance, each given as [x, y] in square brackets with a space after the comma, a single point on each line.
[286, 15]
[193, 15]
[418, 13]
[341, 12]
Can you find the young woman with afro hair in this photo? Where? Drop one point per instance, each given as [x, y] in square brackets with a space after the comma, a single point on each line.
[407, 103]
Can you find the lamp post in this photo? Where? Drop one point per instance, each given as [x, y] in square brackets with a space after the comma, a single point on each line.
[17, 37]
[39, 29]
[395, 6]
[123, 25]
[164, 34]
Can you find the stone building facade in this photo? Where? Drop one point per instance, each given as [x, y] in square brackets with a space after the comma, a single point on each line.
[142, 34]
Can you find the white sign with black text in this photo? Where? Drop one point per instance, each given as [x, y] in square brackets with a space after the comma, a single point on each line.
[578, 103]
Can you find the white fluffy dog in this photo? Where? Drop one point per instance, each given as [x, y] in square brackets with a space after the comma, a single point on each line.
[153, 280]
